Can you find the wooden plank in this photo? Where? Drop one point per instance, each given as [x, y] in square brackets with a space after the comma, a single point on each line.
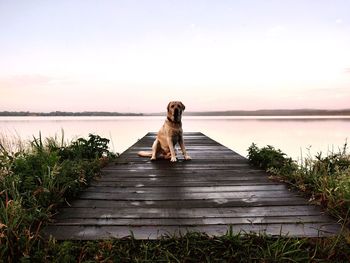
[134, 167]
[155, 232]
[186, 189]
[215, 190]
[232, 173]
[224, 202]
[146, 182]
[140, 195]
[152, 178]
[189, 221]
[218, 212]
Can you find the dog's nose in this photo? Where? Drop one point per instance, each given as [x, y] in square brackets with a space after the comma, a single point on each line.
[176, 113]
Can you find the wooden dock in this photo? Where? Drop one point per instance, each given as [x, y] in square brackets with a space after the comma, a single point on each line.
[217, 190]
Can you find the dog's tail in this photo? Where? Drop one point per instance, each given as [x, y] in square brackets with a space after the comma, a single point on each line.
[144, 154]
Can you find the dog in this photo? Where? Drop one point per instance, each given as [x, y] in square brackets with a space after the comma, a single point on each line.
[169, 135]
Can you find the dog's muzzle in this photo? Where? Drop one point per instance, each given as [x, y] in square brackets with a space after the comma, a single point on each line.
[177, 115]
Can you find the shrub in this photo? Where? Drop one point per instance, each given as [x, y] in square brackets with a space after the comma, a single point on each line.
[94, 147]
[270, 158]
[34, 181]
[326, 180]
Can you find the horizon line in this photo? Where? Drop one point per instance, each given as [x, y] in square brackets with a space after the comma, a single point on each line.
[299, 111]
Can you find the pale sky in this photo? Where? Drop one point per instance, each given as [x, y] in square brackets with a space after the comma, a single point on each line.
[135, 56]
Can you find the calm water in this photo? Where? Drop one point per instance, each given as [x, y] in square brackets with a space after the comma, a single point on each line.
[293, 135]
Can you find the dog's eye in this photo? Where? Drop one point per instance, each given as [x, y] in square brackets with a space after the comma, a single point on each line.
[172, 106]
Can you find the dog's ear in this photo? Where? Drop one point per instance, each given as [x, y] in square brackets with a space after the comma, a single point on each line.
[168, 108]
[182, 106]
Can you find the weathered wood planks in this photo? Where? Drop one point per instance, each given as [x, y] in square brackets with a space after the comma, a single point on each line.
[218, 189]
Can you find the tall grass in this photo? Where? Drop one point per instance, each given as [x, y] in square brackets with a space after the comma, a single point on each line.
[324, 179]
[197, 247]
[35, 179]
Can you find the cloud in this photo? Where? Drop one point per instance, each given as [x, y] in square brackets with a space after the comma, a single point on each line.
[22, 81]
[339, 21]
[34, 81]
[275, 31]
[329, 90]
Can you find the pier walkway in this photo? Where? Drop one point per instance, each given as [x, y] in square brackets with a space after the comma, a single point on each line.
[212, 193]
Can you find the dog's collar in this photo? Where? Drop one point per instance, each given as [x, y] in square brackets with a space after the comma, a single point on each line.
[172, 120]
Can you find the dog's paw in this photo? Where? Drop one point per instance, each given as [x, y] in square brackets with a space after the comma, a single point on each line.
[153, 158]
[173, 159]
[187, 157]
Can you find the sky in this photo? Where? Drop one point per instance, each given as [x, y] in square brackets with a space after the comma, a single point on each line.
[136, 56]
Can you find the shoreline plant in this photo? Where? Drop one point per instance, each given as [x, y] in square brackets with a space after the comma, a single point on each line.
[35, 180]
[325, 180]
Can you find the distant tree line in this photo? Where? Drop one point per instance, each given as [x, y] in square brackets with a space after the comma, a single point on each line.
[65, 113]
[277, 112]
[298, 112]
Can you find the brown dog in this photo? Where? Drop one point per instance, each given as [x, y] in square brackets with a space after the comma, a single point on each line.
[169, 135]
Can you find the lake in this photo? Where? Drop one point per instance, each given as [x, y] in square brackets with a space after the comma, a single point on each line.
[296, 136]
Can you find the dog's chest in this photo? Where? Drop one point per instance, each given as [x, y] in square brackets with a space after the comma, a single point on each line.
[176, 137]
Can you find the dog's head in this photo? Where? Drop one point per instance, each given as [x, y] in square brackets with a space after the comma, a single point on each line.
[175, 109]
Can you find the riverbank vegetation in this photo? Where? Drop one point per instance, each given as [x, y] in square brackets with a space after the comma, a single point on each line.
[325, 179]
[36, 177]
[66, 114]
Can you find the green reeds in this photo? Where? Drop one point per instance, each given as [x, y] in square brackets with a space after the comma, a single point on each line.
[35, 180]
[198, 247]
[325, 180]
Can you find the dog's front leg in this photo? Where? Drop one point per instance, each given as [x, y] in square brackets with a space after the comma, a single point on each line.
[183, 149]
[155, 147]
[172, 150]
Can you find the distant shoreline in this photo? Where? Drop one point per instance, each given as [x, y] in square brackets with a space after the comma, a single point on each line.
[64, 114]
[297, 112]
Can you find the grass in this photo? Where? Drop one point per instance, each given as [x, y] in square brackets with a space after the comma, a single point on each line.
[197, 247]
[36, 177]
[324, 179]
